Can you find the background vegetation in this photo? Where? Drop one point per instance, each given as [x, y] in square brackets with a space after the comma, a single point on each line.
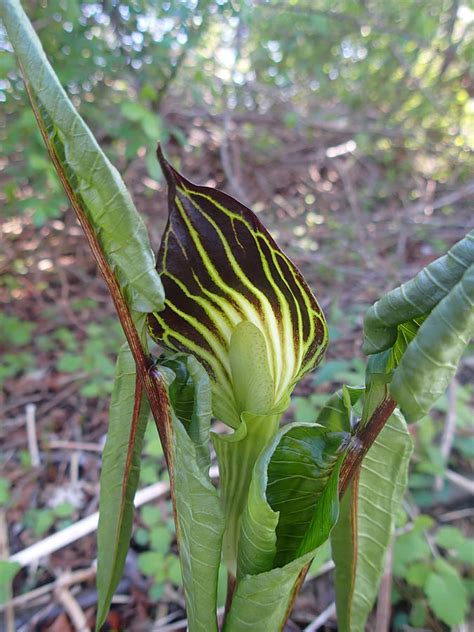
[348, 126]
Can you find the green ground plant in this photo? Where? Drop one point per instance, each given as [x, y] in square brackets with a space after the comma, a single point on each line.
[239, 327]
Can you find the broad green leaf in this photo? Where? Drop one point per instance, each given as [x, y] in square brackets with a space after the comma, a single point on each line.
[430, 360]
[200, 522]
[447, 595]
[220, 267]
[93, 185]
[416, 297]
[261, 602]
[302, 477]
[128, 416]
[294, 492]
[365, 526]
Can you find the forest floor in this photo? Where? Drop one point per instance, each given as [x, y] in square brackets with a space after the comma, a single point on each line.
[60, 338]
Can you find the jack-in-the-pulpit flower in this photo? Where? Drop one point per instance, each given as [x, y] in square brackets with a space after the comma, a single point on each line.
[234, 301]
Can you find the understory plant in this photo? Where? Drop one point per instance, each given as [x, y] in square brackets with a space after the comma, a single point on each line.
[238, 327]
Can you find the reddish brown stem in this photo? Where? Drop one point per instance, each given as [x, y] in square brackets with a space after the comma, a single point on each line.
[362, 442]
[151, 379]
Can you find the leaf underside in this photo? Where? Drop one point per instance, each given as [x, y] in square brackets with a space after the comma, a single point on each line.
[417, 297]
[128, 416]
[364, 530]
[198, 511]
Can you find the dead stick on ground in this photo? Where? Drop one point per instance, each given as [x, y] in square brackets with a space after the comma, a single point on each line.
[72, 607]
[77, 577]
[30, 412]
[85, 526]
[321, 619]
[9, 608]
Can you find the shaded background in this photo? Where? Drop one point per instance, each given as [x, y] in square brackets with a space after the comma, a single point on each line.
[348, 127]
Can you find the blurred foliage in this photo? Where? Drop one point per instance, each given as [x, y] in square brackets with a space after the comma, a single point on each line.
[396, 76]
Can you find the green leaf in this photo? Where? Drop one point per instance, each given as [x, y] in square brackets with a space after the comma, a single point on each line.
[416, 297]
[447, 596]
[200, 523]
[91, 182]
[452, 539]
[261, 601]
[220, 266]
[299, 466]
[364, 529]
[430, 360]
[4, 491]
[337, 414]
[8, 570]
[129, 411]
[303, 473]
[409, 547]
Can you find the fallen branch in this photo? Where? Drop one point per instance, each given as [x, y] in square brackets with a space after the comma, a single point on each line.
[73, 609]
[70, 579]
[321, 619]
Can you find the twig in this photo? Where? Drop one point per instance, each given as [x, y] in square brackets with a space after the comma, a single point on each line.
[78, 577]
[85, 526]
[461, 481]
[227, 163]
[30, 411]
[457, 514]
[74, 468]
[448, 431]
[81, 446]
[73, 609]
[321, 619]
[382, 616]
[182, 624]
[4, 552]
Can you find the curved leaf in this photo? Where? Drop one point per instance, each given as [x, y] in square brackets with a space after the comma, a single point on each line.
[430, 360]
[416, 297]
[292, 502]
[91, 182]
[128, 416]
[302, 481]
[337, 414]
[199, 519]
[291, 509]
[261, 602]
[220, 266]
[363, 532]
